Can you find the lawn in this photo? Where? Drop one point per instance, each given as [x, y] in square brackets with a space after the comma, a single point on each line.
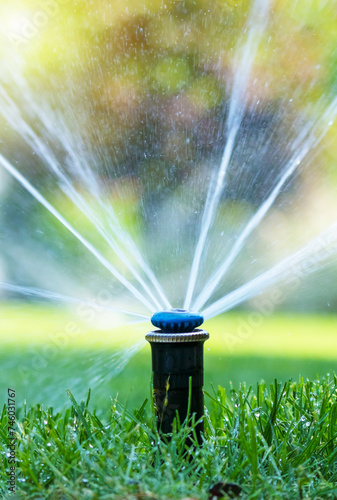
[41, 360]
[272, 443]
[274, 440]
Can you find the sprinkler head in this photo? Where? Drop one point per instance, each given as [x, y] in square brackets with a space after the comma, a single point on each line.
[178, 368]
[177, 321]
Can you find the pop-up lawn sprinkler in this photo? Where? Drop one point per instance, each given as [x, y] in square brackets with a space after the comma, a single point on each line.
[178, 365]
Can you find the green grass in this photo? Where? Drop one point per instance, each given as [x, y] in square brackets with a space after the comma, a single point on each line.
[276, 442]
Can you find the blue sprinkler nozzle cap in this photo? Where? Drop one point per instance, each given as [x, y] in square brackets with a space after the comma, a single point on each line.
[177, 321]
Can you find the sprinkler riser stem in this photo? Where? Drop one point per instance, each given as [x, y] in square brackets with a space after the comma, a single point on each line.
[178, 378]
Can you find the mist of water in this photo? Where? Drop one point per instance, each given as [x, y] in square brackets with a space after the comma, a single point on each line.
[294, 267]
[57, 297]
[26, 184]
[80, 170]
[306, 141]
[242, 70]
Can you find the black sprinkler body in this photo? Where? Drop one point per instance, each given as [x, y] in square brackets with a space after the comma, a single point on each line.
[178, 364]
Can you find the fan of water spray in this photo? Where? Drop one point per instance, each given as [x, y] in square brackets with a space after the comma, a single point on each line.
[130, 229]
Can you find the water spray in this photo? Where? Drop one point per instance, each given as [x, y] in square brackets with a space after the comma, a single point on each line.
[178, 368]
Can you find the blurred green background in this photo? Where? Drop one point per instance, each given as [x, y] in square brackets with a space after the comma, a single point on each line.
[41, 362]
[145, 84]
[144, 87]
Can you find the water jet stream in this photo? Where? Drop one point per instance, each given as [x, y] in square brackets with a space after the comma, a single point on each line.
[310, 141]
[13, 115]
[113, 363]
[243, 65]
[318, 249]
[31, 189]
[57, 297]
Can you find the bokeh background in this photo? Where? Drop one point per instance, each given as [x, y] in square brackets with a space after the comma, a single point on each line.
[137, 95]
